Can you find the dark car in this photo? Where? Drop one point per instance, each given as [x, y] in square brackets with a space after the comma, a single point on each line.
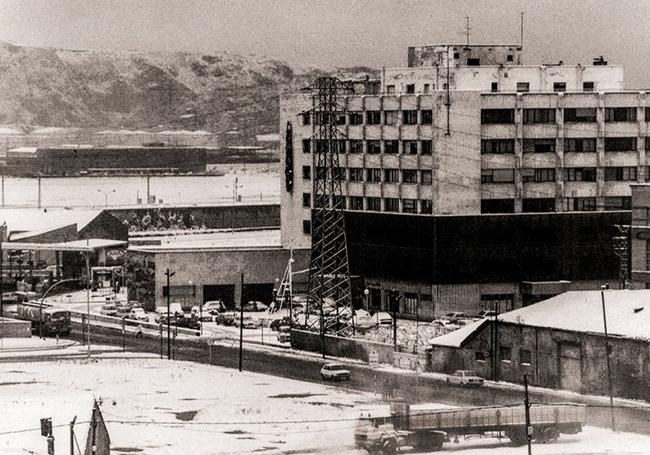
[226, 317]
[277, 323]
[189, 323]
[254, 305]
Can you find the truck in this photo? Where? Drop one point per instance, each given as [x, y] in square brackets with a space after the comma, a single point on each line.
[55, 321]
[429, 429]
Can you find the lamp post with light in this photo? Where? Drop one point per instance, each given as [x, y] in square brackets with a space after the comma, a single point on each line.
[106, 194]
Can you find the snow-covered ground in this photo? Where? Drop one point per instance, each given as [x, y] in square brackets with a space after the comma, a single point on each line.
[157, 407]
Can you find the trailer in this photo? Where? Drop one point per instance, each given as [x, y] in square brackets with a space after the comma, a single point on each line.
[55, 321]
[430, 429]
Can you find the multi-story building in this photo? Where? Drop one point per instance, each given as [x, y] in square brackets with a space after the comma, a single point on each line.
[469, 131]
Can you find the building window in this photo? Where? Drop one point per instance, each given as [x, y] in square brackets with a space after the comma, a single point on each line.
[579, 204]
[306, 146]
[426, 177]
[373, 175]
[410, 88]
[356, 174]
[409, 176]
[338, 173]
[373, 117]
[497, 206]
[373, 147]
[338, 202]
[426, 207]
[356, 146]
[576, 145]
[390, 117]
[523, 87]
[339, 146]
[427, 88]
[391, 146]
[479, 355]
[524, 357]
[391, 204]
[340, 119]
[306, 227]
[539, 115]
[587, 86]
[356, 118]
[426, 117]
[306, 172]
[497, 302]
[580, 114]
[497, 176]
[505, 353]
[410, 303]
[580, 174]
[539, 175]
[356, 203]
[427, 146]
[321, 145]
[618, 203]
[410, 117]
[391, 175]
[409, 205]
[373, 204]
[539, 146]
[410, 147]
[497, 146]
[647, 143]
[490, 116]
[390, 89]
[494, 87]
[620, 174]
[320, 173]
[456, 55]
[306, 118]
[306, 199]
[559, 86]
[620, 144]
[538, 205]
[321, 200]
[473, 62]
[510, 58]
[620, 114]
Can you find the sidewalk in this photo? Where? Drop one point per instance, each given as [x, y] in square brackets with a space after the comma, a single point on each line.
[33, 344]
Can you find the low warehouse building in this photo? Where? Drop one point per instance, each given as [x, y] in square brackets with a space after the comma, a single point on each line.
[559, 343]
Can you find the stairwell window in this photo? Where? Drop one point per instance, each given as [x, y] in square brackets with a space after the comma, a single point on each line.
[306, 227]
[306, 200]
[306, 172]
[306, 146]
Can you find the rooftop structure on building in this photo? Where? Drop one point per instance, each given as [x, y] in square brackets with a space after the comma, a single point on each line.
[466, 131]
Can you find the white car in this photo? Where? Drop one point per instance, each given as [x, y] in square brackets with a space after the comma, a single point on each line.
[381, 317]
[247, 323]
[138, 314]
[335, 371]
[465, 378]
[108, 309]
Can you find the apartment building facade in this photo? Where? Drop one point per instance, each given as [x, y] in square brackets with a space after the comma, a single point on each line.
[473, 139]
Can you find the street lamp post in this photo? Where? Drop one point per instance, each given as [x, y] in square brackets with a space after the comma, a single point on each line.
[169, 274]
[106, 194]
[607, 352]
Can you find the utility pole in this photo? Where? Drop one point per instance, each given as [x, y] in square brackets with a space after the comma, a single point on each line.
[467, 29]
[394, 298]
[241, 321]
[607, 352]
[74, 419]
[169, 274]
[529, 429]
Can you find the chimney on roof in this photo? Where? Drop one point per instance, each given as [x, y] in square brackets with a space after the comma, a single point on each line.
[600, 61]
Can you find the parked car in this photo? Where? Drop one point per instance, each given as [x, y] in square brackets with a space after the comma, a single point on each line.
[137, 314]
[226, 318]
[108, 309]
[162, 315]
[201, 316]
[445, 324]
[284, 334]
[381, 317]
[465, 378]
[487, 314]
[456, 316]
[279, 322]
[248, 322]
[255, 305]
[190, 323]
[123, 309]
[213, 307]
[335, 371]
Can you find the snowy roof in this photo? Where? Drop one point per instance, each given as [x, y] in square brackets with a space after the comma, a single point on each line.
[39, 220]
[226, 240]
[96, 243]
[628, 313]
[458, 337]
[268, 138]
[54, 130]
[24, 150]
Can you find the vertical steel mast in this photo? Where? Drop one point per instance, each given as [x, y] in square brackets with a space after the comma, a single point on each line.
[329, 275]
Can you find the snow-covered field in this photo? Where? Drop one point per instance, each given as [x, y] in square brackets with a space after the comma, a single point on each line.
[156, 407]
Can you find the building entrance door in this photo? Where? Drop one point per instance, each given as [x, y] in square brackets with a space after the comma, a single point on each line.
[570, 367]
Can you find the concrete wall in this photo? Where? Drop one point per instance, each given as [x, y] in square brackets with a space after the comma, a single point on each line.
[640, 234]
[13, 328]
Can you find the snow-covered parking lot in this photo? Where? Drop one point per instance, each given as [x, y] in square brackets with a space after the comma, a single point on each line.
[155, 406]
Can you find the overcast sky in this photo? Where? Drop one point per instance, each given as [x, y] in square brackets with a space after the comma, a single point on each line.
[339, 32]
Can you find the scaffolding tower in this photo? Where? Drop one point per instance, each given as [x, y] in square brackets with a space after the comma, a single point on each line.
[329, 273]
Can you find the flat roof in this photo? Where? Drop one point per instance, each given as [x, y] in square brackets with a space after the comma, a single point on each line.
[90, 245]
[23, 221]
[257, 239]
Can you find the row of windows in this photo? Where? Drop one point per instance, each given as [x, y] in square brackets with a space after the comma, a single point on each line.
[548, 204]
[571, 145]
[355, 118]
[373, 175]
[571, 115]
[571, 174]
[373, 146]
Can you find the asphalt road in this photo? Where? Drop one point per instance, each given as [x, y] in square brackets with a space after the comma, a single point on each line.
[418, 388]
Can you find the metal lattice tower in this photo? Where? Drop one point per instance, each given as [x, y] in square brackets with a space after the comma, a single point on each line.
[329, 274]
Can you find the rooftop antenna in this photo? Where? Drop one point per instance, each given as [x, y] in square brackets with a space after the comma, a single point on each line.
[467, 29]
